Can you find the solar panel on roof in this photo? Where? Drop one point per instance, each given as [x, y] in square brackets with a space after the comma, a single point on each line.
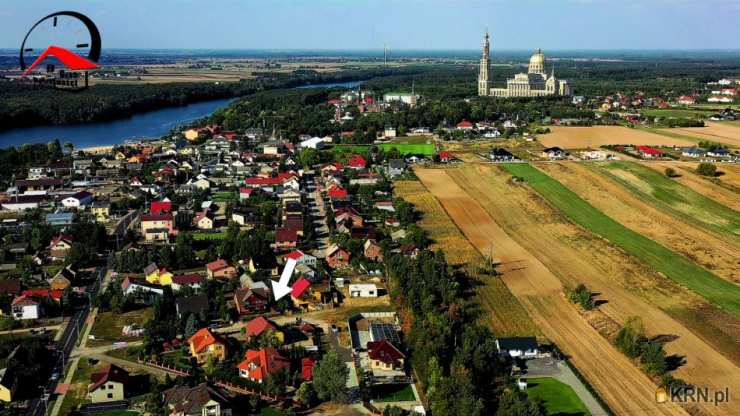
[384, 331]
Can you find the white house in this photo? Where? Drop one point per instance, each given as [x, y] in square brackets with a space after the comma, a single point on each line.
[363, 290]
[518, 347]
[302, 258]
[77, 200]
[313, 143]
[24, 307]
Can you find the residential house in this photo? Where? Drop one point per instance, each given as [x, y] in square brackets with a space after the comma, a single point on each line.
[77, 200]
[301, 258]
[157, 276]
[693, 152]
[250, 300]
[60, 247]
[385, 356]
[82, 166]
[59, 219]
[101, 210]
[63, 279]
[258, 365]
[201, 400]
[647, 152]
[260, 325]
[180, 281]
[518, 347]
[396, 167]
[500, 154]
[10, 287]
[220, 269]
[204, 345]
[553, 153]
[372, 250]
[108, 385]
[204, 220]
[286, 238]
[363, 290]
[465, 125]
[160, 207]
[337, 257]
[357, 162]
[156, 227]
[25, 307]
[445, 156]
[146, 291]
[196, 305]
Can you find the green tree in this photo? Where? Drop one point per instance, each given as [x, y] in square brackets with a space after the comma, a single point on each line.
[306, 394]
[330, 378]
[707, 169]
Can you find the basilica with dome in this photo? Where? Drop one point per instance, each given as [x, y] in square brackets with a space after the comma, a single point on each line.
[535, 83]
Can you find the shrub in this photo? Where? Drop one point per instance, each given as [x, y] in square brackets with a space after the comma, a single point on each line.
[671, 173]
[706, 169]
[631, 338]
[582, 296]
[653, 359]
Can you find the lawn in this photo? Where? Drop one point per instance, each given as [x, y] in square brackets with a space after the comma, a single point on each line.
[177, 358]
[677, 113]
[128, 353]
[77, 393]
[558, 398]
[108, 326]
[403, 148]
[716, 290]
[202, 236]
[393, 393]
[223, 196]
[670, 195]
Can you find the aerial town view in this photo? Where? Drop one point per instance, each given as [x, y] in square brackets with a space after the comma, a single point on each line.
[389, 207]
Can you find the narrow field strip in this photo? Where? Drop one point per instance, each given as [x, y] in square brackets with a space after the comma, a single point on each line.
[671, 195]
[503, 312]
[716, 290]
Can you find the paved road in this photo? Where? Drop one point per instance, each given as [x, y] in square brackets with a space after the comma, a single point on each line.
[559, 370]
[38, 328]
[68, 341]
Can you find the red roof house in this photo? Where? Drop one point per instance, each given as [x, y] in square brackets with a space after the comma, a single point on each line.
[258, 325]
[445, 156]
[286, 238]
[357, 162]
[300, 287]
[337, 192]
[648, 152]
[160, 207]
[258, 365]
[384, 354]
[464, 125]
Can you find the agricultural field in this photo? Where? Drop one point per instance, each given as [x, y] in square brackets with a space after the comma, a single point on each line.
[670, 195]
[426, 149]
[725, 133]
[618, 203]
[540, 292]
[718, 291]
[558, 398]
[596, 136]
[678, 112]
[505, 316]
[540, 251]
[723, 189]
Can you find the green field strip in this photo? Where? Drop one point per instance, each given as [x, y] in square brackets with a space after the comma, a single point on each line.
[679, 200]
[720, 292]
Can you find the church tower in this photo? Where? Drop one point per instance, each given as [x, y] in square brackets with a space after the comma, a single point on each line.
[483, 83]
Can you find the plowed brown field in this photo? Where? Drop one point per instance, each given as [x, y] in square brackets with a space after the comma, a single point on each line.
[618, 381]
[715, 132]
[583, 137]
[724, 189]
[695, 243]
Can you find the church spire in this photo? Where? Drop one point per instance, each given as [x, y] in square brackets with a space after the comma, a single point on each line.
[483, 83]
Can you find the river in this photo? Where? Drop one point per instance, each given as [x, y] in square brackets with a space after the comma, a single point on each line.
[151, 124]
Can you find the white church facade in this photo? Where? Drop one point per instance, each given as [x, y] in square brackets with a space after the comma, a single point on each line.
[535, 83]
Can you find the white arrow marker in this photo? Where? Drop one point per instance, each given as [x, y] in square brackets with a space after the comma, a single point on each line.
[281, 288]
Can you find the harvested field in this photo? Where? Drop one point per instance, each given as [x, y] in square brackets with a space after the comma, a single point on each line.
[540, 291]
[705, 249]
[716, 132]
[661, 191]
[505, 315]
[724, 189]
[719, 292]
[583, 137]
[572, 255]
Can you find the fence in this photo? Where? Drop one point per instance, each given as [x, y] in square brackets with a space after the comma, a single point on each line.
[165, 367]
[244, 390]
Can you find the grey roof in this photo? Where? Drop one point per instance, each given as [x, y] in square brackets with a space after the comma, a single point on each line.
[193, 304]
[397, 164]
[517, 343]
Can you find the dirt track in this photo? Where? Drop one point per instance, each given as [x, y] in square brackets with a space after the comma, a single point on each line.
[620, 383]
[583, 137]
[703, 247]
[715, 132]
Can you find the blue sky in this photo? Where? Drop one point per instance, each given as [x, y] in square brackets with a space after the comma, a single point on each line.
[403, 24]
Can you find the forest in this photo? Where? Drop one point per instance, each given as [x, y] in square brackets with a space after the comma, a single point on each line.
[22, 106]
